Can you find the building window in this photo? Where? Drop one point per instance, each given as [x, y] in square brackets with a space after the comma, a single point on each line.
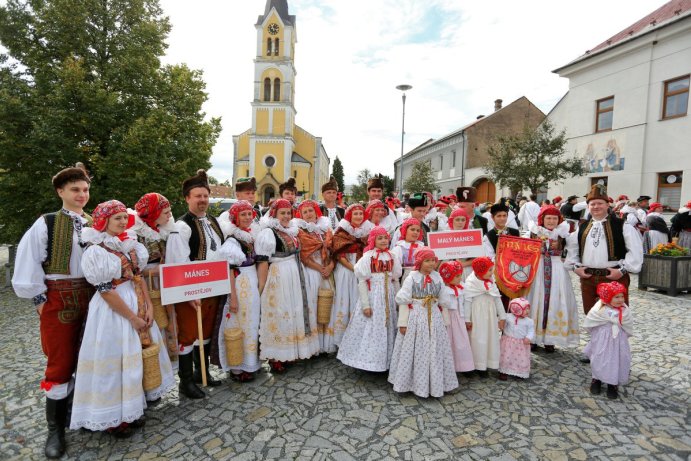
[604, 115]
[676, 102]
[269, 161]
[669, 189]
[268, 47]
[276, 42]
[602, 180]
[441, 163]
[453, 159]
[277, 89]
[267, 89]
[295, 174]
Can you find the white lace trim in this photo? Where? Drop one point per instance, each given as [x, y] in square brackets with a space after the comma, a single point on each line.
[362, 231]
[319, 227]
[267, 222]
[562, 230]
[91, 235]
[142, 229]
[232, 230]
[92, 426]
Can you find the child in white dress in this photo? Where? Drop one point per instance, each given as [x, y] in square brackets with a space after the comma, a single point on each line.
[369, 339]
[422, 361]
[519, 331]
[452, 272]
[484, 315]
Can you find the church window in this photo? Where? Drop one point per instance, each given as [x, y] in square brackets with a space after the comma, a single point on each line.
[268, 47]
[276, 42]
[269, 161]
[267, 89]
[277, 89]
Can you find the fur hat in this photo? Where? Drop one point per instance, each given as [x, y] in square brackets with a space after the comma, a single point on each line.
[288, 185]
[597, 192]
[375, 182]
[498, 208]
[245, 184]
[331, 185]
[418, 200]
[198, 180]
[466, 194]
[71, 174]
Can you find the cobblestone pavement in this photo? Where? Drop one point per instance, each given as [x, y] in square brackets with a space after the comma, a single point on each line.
[323, 410]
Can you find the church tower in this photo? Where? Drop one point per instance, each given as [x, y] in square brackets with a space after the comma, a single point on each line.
[275, 148]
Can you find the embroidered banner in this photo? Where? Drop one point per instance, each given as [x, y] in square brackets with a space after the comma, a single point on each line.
[193, 280]
[456, 244]
[516, 264]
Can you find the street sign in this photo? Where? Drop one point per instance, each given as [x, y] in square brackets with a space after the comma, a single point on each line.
[194, 280]
[456, 244]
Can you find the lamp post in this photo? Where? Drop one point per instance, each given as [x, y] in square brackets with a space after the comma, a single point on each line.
[403, 88]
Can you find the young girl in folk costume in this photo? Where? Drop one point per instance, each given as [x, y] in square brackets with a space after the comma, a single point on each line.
[242, 308]
[368, 341]
[408, 244]
[287, 330]
[109, 393]
[452, 272]
[610, 323]
[484, 315]
[459, 220]
[554, 310]
[519, 331]
[315, 239]
[152, 221]
[379, 215]
[347, 246]
[422, 361]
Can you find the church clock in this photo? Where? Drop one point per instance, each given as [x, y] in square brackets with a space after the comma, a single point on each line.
[273, 28]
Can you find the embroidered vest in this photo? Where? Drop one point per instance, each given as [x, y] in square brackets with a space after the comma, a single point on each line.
[60, 233]
[285, 244]
[614, 234]
[494, 238]
[130, 266]
[198, 238]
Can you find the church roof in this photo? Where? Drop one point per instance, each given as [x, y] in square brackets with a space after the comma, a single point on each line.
[282, 10]
[297, 158]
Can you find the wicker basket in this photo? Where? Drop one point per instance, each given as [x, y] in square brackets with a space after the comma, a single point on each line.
[160, 313]
[325, 300]
[234, 346]
[152, 368]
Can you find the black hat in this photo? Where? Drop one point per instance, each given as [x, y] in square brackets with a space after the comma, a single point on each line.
[417, 200]
[466, 194]
[288, 185]
[642, 198]
[331, 185]
[198, 180]
[498, 208]
[245, 184]
[571, 197]
[71, 174]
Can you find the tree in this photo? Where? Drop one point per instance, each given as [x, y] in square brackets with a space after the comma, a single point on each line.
[337, 172]
[359, 190]
[389, 185]
[82, 81]
[421, 179]
[532, 159]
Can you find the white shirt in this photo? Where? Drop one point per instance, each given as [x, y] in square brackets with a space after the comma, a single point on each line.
[528, 213]
[510, 222]
[29, 278]
[178, 245]
[524, 329]
[595, 253]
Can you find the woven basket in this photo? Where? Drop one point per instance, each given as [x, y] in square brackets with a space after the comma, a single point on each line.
[160, 313]
[325, 300]
[152, 368]
[234, 346]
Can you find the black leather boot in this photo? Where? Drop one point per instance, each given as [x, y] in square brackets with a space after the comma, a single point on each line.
[187, 386]
[56, 412]
[210, 381]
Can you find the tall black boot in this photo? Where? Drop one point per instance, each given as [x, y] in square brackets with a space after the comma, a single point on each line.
[187, 386]
[210, 381]
[56, 412]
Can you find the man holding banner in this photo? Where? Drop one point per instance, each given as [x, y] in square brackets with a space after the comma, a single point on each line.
[197, 237]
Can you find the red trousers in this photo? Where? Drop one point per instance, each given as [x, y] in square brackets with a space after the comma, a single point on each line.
[589, 290]
[62, 321]
[187, 320]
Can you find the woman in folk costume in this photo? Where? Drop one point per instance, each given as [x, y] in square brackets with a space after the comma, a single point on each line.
[484, 315]
[369, 338]
[287, 329]
[553, 302]
[658, 232]
[376, 213]
[452, 272]
[422, 361]
[681, 226]
[347, 245]
[610, 323]
[407, 245]
[109, 393]
[152, 221]
[242, 309]
[315, 239]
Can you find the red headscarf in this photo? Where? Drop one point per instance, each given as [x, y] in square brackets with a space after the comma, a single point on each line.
[520, 307]
[423, 254]
[104, 211]
[349, 213]
[310, 203]
[149, 208]
[481, 266]
[449, 270]
[373, 205]
[607, 291]
[277, 205]
[548, 210]
[406, 224]
[654, 205]
[373, 234]
[237, 208]
[459, 212]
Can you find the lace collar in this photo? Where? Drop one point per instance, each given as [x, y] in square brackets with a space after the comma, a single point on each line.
[94, 237]
[562, 230]
[142, 229]
[359, 232]
[319, 227]
[406, 245]
[267, 222]
[232, 230]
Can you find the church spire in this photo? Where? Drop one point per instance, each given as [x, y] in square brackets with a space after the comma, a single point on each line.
[281, 7]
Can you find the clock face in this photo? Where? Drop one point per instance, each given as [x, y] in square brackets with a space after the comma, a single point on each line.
[273, 28]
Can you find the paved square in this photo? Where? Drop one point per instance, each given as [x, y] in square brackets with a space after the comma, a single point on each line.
[322, 409]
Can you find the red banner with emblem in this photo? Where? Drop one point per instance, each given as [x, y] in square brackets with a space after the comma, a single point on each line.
[516, 264]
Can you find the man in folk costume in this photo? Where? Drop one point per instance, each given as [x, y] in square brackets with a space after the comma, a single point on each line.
[571, 215]
[246, 189]
[197, 237]
[418, 204]
[289, 191]
[48, 271]
[375, 191]
[329, 208]
[466, 199]
[602, 249]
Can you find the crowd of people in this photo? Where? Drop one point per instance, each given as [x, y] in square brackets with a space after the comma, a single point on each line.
[357, 282]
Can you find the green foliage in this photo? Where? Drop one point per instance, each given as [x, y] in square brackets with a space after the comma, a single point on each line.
[421, 178]
[337, 172]
[82, 81]
[531, 160]
[669, 249]
[359, 190]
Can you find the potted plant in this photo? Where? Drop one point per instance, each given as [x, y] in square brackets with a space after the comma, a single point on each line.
[668, 268]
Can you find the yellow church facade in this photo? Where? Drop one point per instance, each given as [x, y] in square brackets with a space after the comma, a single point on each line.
[275, 148]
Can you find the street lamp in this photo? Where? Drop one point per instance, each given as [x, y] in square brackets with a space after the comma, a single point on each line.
[403, 88]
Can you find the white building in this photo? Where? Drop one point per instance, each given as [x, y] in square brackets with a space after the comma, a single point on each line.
[626, 111]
